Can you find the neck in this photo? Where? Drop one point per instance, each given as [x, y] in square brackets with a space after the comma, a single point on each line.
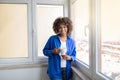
[63, 38]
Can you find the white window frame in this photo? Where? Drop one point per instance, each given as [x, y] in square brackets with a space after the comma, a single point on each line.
[29, 58]
[32, 30]
[45, 2]
[96, 42]
[97, 34]
[79, 64]
[94, 31]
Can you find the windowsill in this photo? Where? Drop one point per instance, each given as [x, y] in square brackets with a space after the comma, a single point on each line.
[19, 66]
[80, 74]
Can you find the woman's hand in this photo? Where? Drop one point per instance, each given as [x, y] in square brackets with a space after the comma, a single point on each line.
[66, 57]
[56, 51]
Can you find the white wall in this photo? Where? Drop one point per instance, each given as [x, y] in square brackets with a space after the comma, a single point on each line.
[38, 72]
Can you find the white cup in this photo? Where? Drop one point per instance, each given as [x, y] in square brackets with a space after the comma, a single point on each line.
[63, 51]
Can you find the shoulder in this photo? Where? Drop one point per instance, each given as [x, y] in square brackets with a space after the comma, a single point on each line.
[71, 42]
[70, 38]
[53, 37]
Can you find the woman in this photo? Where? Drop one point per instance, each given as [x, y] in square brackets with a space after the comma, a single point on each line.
[61, 50]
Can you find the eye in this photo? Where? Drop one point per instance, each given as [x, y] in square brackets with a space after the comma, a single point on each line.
[65, 26]
[60, 27]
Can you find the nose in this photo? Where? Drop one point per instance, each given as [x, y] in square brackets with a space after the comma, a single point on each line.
[62, 29]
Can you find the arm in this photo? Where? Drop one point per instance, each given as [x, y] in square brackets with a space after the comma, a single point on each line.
[48, 49]
[72, 57]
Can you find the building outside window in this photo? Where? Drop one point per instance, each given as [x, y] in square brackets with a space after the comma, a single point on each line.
[80, 17]
[110, 38]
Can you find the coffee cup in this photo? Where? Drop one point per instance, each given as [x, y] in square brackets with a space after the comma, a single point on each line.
[63, 51]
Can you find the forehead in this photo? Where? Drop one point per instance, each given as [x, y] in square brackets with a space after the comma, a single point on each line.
[62, 25]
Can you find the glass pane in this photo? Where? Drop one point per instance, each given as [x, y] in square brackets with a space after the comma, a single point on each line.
[46, 14]
[110, 38]
[13, 30]
[80, 14]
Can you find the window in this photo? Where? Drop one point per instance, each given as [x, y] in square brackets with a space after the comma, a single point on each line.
[100, 17]
[25, 26]
[110, 39]
[80, 17]
[46, 15]
[13, 31]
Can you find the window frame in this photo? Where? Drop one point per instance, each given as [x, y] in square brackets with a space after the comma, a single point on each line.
[78, 63]
[32, 30]
[65, 5]
[29, 27]
[97, 45]
[94, 36]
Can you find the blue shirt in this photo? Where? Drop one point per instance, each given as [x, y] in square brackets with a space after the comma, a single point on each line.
[54, 60]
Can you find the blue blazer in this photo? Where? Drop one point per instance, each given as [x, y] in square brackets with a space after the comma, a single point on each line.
[54, 60]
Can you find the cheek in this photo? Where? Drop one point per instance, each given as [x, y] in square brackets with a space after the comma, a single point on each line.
[66, 29]
[59, 30]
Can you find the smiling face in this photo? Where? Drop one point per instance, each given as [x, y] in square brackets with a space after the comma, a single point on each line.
[63, 30]
[62, 26]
